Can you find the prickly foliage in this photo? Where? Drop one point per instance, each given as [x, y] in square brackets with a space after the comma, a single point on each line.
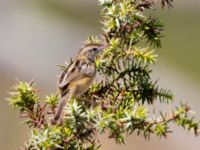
[119, 102]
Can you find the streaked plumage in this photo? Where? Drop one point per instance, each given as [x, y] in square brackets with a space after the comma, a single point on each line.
[77, 78]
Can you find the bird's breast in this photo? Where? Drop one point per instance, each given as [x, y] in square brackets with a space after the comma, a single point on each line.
[80, 86]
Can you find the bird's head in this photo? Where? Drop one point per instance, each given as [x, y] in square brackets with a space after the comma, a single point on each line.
[91, 50]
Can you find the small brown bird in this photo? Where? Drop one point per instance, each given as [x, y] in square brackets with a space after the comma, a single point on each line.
[76, 79]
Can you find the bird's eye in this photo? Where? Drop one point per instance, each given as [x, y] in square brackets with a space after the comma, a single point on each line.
[94, 49]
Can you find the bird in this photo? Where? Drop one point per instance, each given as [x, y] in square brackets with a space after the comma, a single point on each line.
[77, 77]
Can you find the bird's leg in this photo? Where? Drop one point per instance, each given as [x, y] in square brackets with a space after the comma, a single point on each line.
[89, 102]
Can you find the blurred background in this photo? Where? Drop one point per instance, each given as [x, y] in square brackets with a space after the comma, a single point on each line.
[35, 35]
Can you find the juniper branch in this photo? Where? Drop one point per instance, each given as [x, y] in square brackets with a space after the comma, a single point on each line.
[117, 102]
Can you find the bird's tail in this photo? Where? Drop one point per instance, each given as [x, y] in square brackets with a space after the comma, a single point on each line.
[60, 108]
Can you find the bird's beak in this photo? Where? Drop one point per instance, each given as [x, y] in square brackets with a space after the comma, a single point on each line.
[102, 47]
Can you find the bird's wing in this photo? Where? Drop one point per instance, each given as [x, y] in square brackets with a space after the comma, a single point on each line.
[78, 70]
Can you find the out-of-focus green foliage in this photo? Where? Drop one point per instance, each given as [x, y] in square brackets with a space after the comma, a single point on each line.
[52, 100]
[25, 92]
[117, 101]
